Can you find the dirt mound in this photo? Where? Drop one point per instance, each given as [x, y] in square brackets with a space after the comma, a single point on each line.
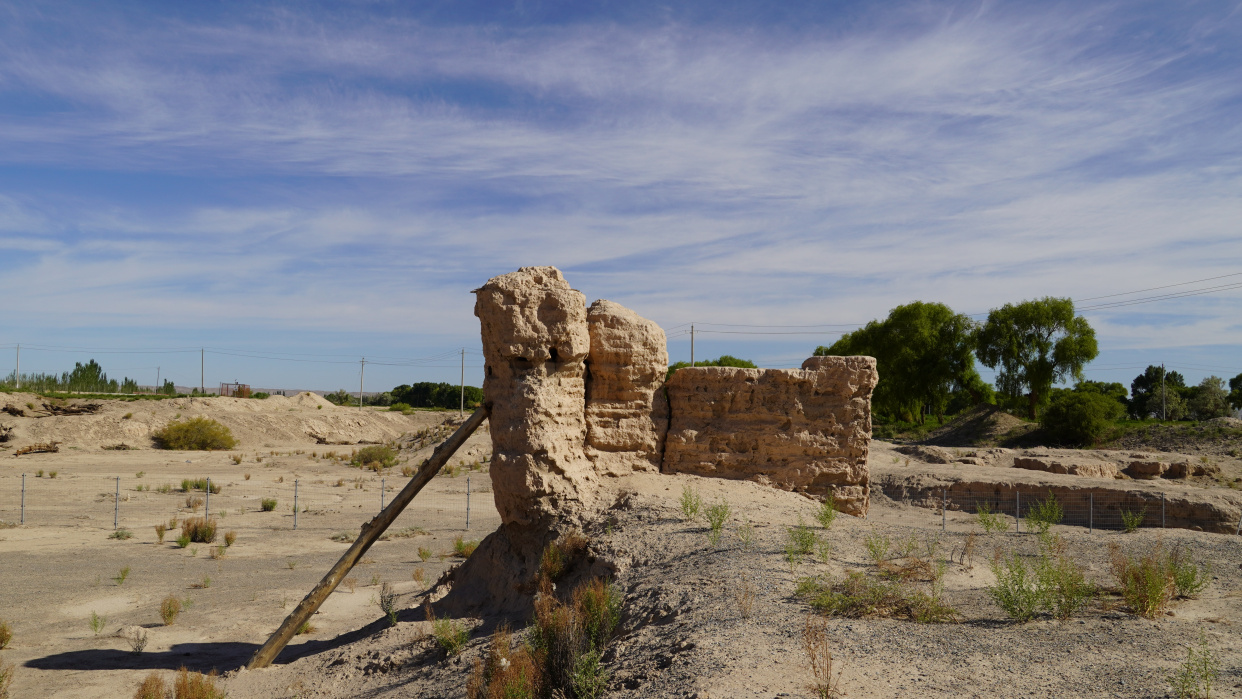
[304, 419]
[983, 425]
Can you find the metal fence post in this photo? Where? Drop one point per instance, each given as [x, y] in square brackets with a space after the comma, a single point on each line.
[382, 494]
[116, 506]
[24, 499]
[1090, 513]
[207, 502]
[467, 503]
[1017, 511]
[944, 507]
[295, 503]
[1162, 510]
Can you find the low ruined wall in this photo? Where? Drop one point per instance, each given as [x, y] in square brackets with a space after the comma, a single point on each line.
[807, 429]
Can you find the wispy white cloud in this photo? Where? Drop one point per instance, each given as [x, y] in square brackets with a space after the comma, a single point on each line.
[757, 174]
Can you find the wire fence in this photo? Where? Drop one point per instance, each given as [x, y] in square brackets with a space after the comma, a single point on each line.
[1024, 511]
[463, 502]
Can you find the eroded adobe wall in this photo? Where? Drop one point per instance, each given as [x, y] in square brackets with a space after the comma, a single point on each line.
[805, 429]
[535, 341]
[626, 409]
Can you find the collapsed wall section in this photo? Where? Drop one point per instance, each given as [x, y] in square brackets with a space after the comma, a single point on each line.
[626, 408]
[807, 429]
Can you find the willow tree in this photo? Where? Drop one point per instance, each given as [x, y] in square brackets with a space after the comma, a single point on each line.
[923, 352]
[1035, 344]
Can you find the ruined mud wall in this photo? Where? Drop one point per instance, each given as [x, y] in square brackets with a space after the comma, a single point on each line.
[535, 341]
[805, 429]
[626, 408]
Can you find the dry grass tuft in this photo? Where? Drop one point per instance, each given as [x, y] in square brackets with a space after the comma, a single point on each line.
[195, 685]
[819, 657]
[169, 609]
[152, 687]
[199, 529]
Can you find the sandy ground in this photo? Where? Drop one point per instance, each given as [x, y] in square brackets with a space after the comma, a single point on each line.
[683, 633]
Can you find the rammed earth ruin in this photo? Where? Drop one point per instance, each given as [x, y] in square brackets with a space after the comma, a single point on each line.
[579, 393]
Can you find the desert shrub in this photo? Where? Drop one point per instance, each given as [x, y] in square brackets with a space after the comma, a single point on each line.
[877, 547]
[387, 602]
[1194, 677]
[97, 622]
[799, 540]
[195, 434]
[160, 530]
[1145, 581]
[1017, 589]
[121, 534]
[827, 513]
[267, 504]
[200, 530]
[137, 640]
[691, 503]
[464, 548]
[381, 454]
[169, 609]
[1045, 513]
[345, 537]
[1131, 520]
[1080, 419]
[1062, 582]
[717, 515]
[229, 537]
[857, 595]
[188, 484]
[990, 521]
[424, 553]
[568, 639]
[183, 540]
[305, 628]
[506, 672]
[1189, 578]
[6, 634]
[121, 576]
[195, 685]
[152, 687]
[450, 635]
[560, 555]
[260, 395]
[6, 680]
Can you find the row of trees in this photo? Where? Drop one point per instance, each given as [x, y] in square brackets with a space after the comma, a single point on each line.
[926, 355]
[85, 378]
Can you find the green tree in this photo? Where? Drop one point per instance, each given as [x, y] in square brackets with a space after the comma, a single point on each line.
[426, 394]
[923, 352]
[722, 360]
[1147, 384]
[1235, 392]
[1035, 344]
[1210, 400]
[1080, 418]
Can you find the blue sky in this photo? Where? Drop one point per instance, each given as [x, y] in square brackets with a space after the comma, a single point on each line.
[324, 181]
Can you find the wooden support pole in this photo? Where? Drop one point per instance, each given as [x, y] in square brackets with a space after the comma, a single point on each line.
[371, 532]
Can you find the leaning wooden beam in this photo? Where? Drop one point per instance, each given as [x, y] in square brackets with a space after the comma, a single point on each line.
[371, 531]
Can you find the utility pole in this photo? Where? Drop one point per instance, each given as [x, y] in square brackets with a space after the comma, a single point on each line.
[462, 411]
[361, 377]
[157, 379]
[691, 345]
[18, 373]
[1164, 402]
[202, 372]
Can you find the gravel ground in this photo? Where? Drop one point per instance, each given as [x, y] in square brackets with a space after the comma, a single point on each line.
[684, 634]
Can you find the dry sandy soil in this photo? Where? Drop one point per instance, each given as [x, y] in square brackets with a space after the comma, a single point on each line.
[683, 633]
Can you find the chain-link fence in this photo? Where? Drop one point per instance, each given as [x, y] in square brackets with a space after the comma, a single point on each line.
[463, 502]
[1024, 510]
